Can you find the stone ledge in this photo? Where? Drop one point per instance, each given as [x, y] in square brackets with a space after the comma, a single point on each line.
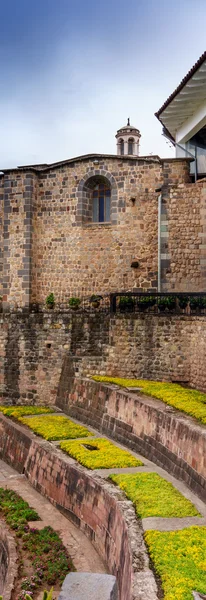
[94, 586]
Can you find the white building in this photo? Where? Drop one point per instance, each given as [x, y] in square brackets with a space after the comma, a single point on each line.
[183, 116]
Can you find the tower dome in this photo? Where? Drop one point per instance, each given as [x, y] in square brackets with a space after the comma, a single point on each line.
[128, 140]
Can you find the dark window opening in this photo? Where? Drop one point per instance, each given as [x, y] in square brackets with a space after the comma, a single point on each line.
[130, 146]
[101, 203]
[122, 147]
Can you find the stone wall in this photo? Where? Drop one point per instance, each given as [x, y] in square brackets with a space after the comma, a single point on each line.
[72, 255]
[167, 437]
[4, 559]
[8, 562]
[183, 237]
[95, 506]
[38, 352]
[19, 196]
[51, 244]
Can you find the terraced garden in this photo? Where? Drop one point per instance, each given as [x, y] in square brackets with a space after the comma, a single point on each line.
[42, 559]
[192, 402]
[178, 557]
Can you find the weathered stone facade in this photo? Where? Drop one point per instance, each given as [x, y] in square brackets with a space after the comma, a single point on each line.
[49, 243]
[40, 352]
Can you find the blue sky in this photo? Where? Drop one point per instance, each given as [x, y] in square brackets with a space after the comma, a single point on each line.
[72, 71]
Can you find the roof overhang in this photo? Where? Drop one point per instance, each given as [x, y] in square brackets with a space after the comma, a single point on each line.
[186, 100]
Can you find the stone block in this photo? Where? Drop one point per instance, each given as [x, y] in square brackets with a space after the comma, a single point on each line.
[89, 586]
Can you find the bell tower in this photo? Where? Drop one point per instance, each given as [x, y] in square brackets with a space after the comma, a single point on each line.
[128, 138]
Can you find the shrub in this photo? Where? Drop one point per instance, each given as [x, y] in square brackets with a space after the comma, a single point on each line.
[126, 304]
[74, 302]
[197, 303]
[192, 402]
[99, 454]
[179, 560]
[183, 301]
[153, 496]
[50, 300]
[144, 302]
[55, 427]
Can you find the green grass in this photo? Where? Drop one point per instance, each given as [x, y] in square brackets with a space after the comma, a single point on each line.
[153, 496]
[192, 402]
[179, 558]
[104, 456]
[54, 427]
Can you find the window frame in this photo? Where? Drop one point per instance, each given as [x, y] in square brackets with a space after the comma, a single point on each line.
[100, 193]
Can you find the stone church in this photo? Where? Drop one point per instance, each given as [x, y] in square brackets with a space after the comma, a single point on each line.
[102, 223]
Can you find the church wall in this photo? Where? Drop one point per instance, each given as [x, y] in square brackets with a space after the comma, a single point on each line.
[71, 257]
[49, 245]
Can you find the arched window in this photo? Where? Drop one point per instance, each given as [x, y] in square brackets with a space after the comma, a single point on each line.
[121, 143]
[131, 146]
[97, 199]
[101, 197]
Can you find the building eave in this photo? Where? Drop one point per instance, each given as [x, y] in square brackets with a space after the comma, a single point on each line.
[186, 98]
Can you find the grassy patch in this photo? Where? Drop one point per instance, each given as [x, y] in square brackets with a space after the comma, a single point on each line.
[47, 554]
[20, 411]
[55, 427]
[99, 454]
[189, 401]
[153, 496]
[179, 558]
[42, 558]
[16, 511]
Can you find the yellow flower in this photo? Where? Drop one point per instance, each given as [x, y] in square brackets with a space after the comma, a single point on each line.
[189, 401]
[99, 454]
[54, 427]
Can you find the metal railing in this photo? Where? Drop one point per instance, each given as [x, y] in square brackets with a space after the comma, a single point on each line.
[123, 303]
[158, 303]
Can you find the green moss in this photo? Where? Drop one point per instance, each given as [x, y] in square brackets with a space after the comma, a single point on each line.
[189, 401]
[153, 496]
[179, 558]
[99, 454]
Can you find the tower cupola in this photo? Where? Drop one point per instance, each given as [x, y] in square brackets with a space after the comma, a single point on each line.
[128, 138]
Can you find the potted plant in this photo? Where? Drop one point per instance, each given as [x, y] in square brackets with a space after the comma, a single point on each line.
[197, 303]
[162, 304]
[126, 304]
[144, 302]
[50, 301]
[74, 303]
[171, 302]
[183, 301]
[95, 300]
